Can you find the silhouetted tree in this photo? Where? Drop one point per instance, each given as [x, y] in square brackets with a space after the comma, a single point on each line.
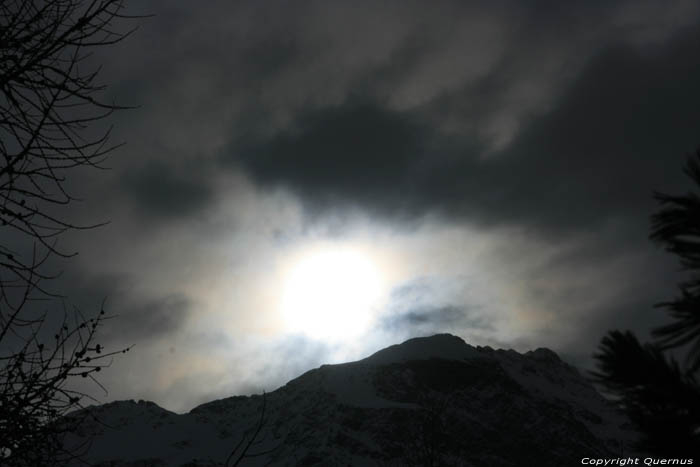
[251, 443]
[34, 391]
[49, 99]
[677, 228]
[661, 399]
[660, 396]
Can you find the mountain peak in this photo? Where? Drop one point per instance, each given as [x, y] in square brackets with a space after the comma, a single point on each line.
[480, 406]
[445, 346]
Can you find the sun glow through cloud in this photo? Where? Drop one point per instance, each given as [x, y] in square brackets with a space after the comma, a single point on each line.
[331, 293]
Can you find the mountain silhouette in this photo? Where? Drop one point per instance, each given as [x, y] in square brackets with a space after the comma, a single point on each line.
[428, 401]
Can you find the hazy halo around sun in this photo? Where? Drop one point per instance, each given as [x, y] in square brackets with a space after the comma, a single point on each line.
[331, 292]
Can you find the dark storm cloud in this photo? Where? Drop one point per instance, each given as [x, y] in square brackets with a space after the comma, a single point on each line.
[416, 308]
[622, 130]
[549, 118]
[149, 318]
[131, 317]
[358, 153]
[159, 190]
[435, 319]
[582, 172]
[619, 131]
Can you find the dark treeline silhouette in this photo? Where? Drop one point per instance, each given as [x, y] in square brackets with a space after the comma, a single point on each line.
[659, 394]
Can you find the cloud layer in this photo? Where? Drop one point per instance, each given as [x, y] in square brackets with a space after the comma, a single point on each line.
[497, 161]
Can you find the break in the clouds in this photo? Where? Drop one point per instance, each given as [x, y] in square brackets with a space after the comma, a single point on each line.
[494, 162]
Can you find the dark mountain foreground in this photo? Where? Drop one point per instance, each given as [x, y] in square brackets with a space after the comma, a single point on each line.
[429, 401]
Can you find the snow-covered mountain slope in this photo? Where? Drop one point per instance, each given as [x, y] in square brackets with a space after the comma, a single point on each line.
[429, 401]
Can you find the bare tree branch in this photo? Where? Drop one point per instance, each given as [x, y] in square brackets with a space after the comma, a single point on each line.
[49, 105]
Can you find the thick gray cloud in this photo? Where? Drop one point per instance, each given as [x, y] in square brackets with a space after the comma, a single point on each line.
[359, 153]
[158, 190]
[432, 320]
[132, 318]
[503, 154]
[148, 320]
[620, 130]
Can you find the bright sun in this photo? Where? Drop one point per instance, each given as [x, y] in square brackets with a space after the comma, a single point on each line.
[331, 293]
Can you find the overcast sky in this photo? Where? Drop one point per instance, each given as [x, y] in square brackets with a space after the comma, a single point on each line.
[491, 163]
